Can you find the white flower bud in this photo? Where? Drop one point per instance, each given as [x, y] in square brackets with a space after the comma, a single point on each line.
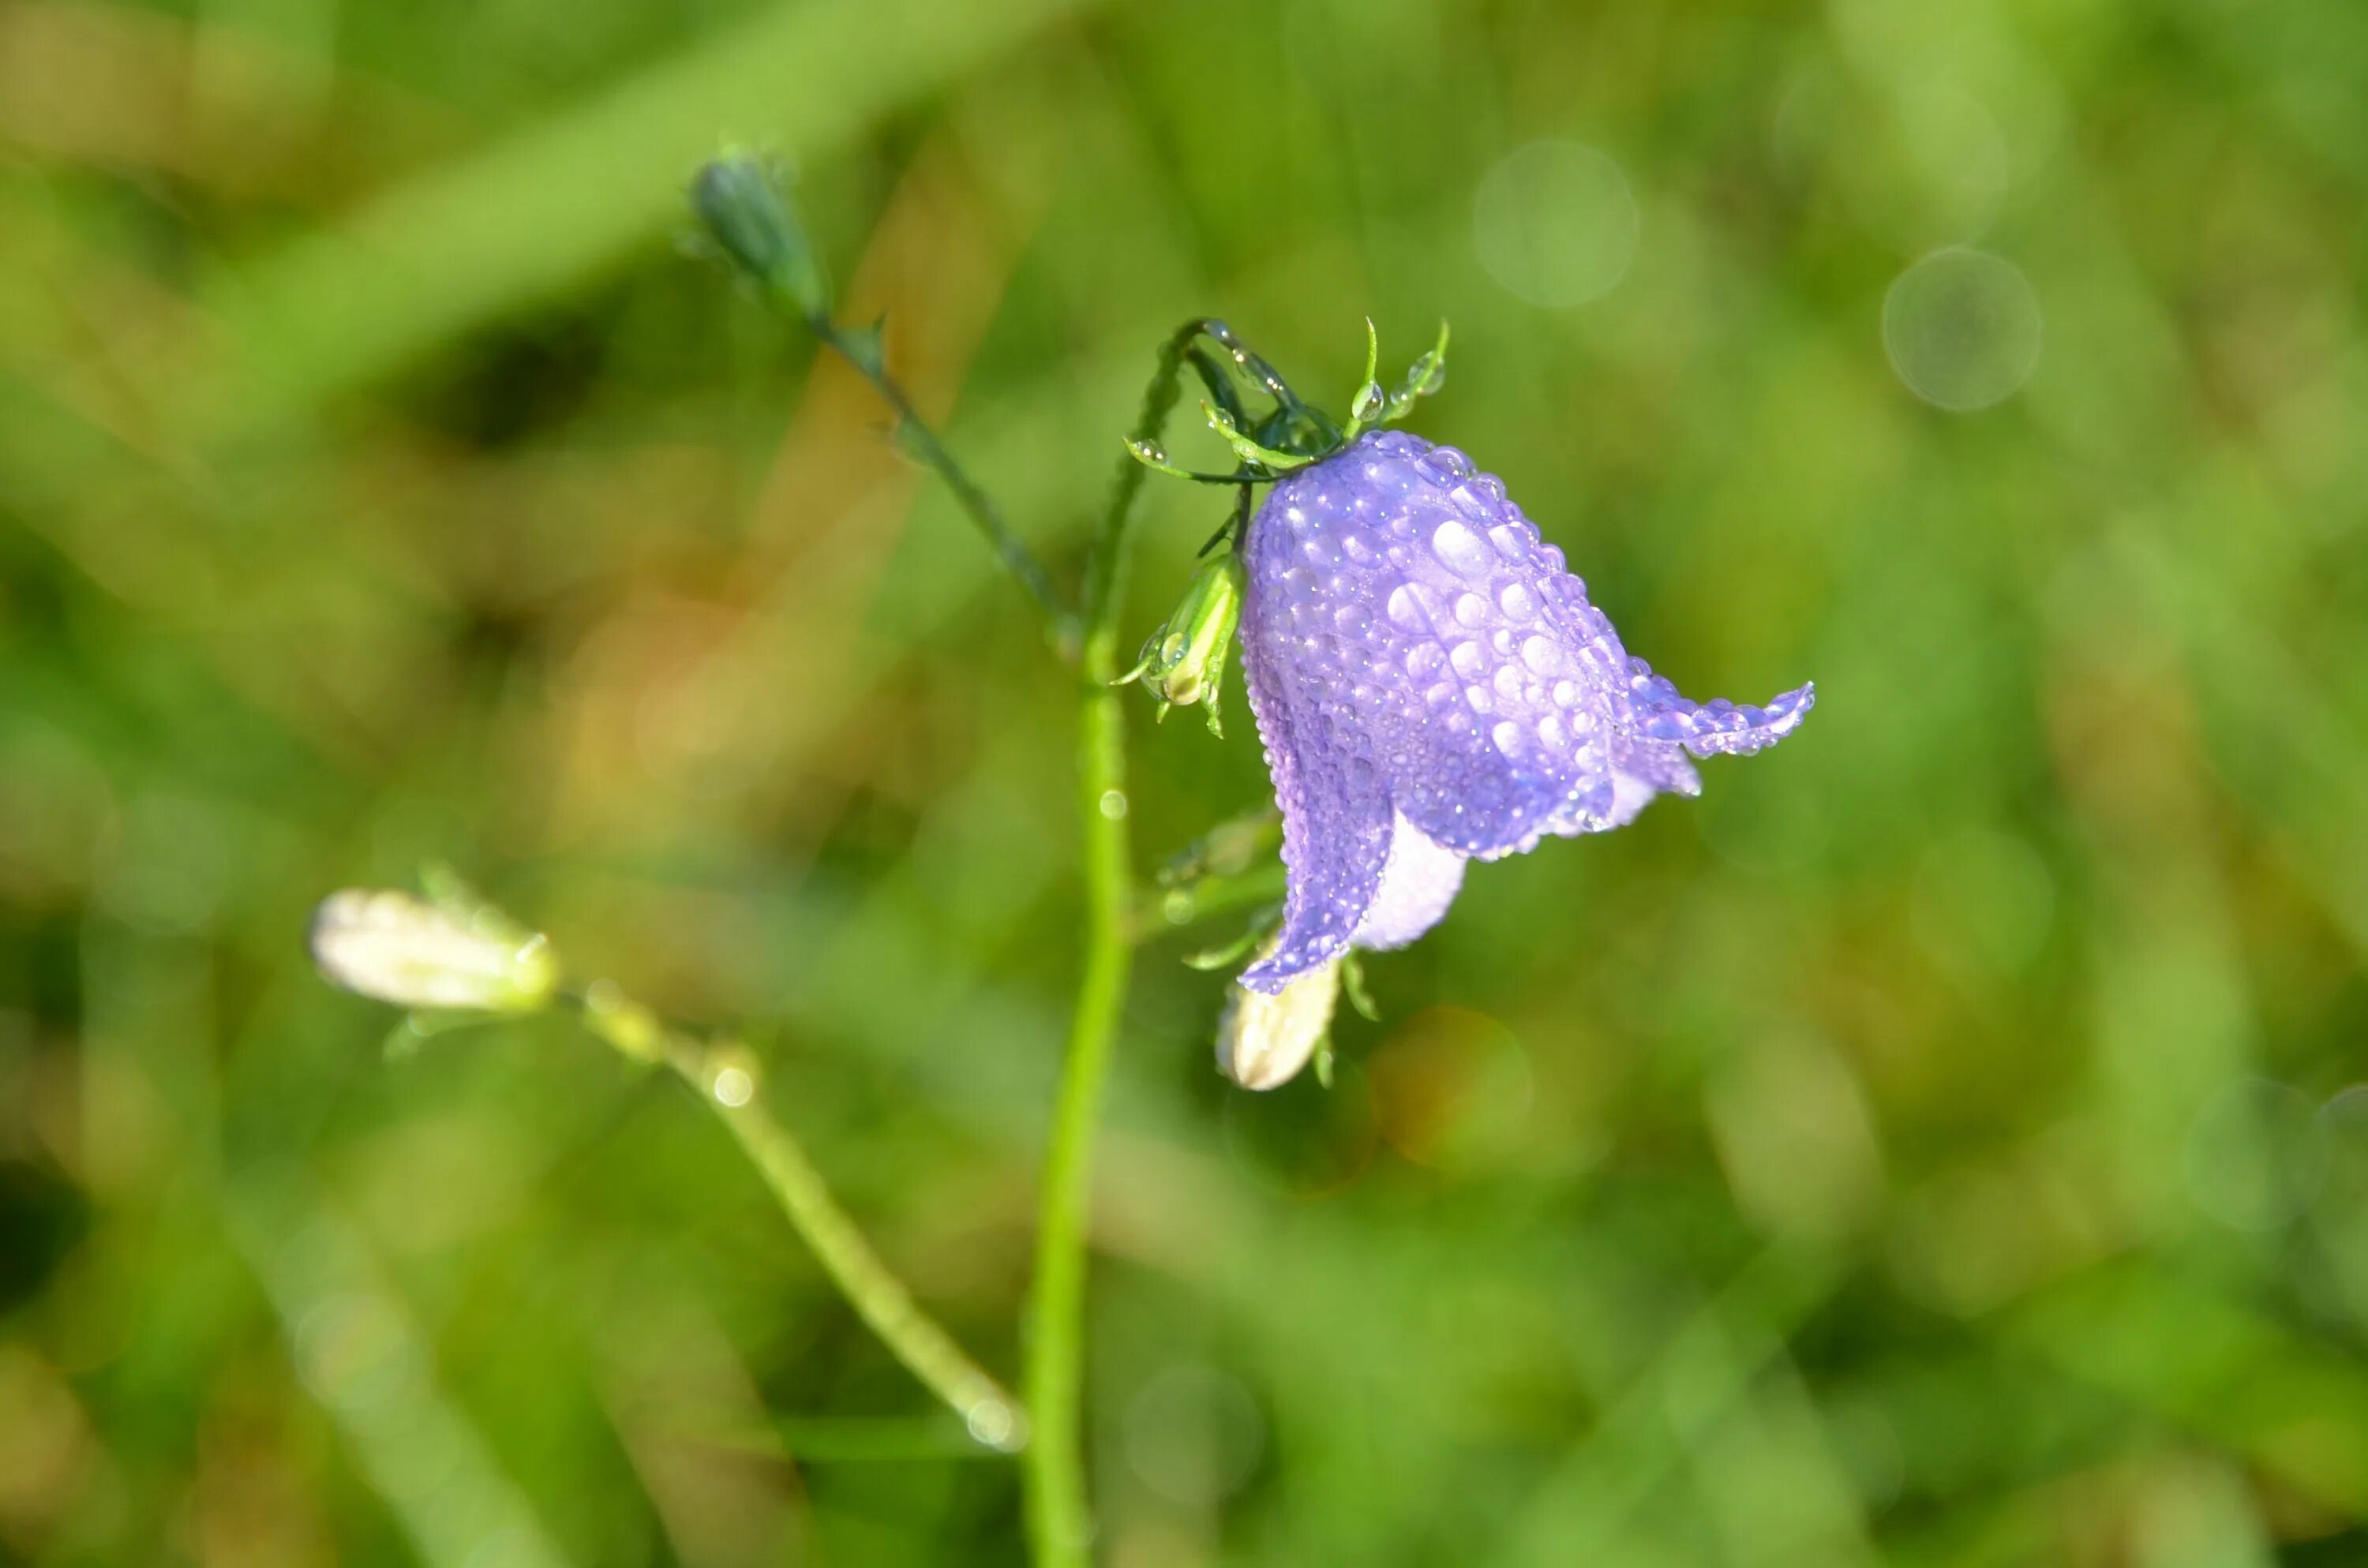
[402, 948]
[1263, 1041]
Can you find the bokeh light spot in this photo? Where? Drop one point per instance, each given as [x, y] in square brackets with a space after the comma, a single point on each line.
[1555, 223]
[1304, 1139]
[1194, 1435]
[2256, 1156]
[1451, 1088]
[1962, 328]
[1984, 901]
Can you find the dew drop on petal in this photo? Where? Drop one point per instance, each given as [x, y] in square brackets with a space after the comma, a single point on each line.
[1404, 609]
[1467, 659]
[1471, 611]
[1543, 656]
[1460, 550]
[1516, 600]
[1507, 737]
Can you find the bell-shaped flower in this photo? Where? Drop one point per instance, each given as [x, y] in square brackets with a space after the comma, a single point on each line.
[1432, 688]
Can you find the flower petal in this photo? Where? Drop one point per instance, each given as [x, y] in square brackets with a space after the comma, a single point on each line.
[1657, 712]
[1420, 879]
[1336, 821]
[1433, 685]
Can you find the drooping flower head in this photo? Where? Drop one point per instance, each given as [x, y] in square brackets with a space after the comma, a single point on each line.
[1432, 688]
[1431, 684]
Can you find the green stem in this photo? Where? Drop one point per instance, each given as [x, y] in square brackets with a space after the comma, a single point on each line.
[922, 442]
[1059, 1526]
[725, 1076]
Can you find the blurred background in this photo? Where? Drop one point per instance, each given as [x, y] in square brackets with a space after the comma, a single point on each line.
[1943, 1142]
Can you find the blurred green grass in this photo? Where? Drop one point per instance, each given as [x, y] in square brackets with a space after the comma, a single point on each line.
[1938, 1144]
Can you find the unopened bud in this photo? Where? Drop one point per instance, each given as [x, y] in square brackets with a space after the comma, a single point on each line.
[740, 202]
[1263, 1041]
[1184, 662]
[415, 952]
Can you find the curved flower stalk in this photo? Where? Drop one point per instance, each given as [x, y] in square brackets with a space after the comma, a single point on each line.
[1433, 687]
[453, 958]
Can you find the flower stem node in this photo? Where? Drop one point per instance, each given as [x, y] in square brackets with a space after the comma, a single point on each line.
[632, 1028]
[1265, 1038]
[1184, 662]
[741, 203]
[447, 952]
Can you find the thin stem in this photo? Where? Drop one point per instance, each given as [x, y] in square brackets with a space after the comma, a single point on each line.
[923, 443]
[725, 1076]
[1059, 1526]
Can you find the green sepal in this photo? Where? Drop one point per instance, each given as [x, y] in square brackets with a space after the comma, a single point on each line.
[1246, 448]
[1424, 377]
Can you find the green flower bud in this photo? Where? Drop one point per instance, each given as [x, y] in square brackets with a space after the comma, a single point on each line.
[443, 954]
[1184, 662]
[741, 204]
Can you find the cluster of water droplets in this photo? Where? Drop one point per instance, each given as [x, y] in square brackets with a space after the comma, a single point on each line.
[1414, 648]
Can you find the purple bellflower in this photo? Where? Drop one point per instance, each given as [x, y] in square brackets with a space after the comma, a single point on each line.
[1433, 687]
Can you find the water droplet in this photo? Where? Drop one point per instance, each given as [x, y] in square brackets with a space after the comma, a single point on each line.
[1541, 654]
[734, 1086]
[1565, 694]
[1477, 696]
[1467, 659]
[1425, 659]
[1406, 608]
[1113, 804]
[1552, 734]
[1512, 540]
[1517, 601]
[1507, 682]
[1471, 609]
[995, 1423]
[1507, 736]
[1460, 550]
